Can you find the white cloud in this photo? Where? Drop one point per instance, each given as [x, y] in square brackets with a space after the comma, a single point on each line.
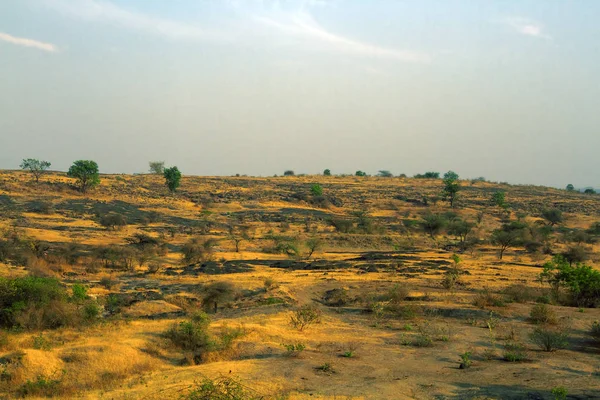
[49, 47]
[528, 27]
[104, 11]
[301, 24]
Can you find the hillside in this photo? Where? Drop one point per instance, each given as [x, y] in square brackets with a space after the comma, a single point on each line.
[399, 283]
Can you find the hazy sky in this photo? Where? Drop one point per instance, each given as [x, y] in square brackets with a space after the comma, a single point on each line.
[508, 90]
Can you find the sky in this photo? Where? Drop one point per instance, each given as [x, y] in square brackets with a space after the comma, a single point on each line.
[508, 90]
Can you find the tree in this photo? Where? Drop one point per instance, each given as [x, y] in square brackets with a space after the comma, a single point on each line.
[385, 174]
[86, 173]
[157, 167]
[570, 187]
[172, 178]
[589, 191]
[460, 229]
[217, 293]
[36, 167]
[313, 244]
[499, 199]
[237, 234]
[428, 175]
[505, 239]
[327, 172]
[575, 254]
[360, 173]
[553, 216]
[113, 221]
[451, 187]
[433, 224]
[289, 172]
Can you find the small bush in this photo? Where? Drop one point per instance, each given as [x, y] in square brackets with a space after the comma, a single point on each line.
[42, 387]
[549, 339]
[294, 350]
[221, 389]
[192, 336]
[559, 392]
[305, 316]
[514, 352]
[542, 314]
[519, 293]
[465, 360]
[486, 298]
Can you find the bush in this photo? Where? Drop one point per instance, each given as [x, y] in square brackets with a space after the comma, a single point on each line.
[582, 281]
[172, 178]
[41, 303]
[486, 298]
[113, 221]
[221, 389]
[542, 314]
[192, 336]
[549, 339]
[217, 293]
[305, 316]
[514, 352]
[519, 293]
[316, 190]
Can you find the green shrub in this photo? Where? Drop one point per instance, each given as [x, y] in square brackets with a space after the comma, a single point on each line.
[582, 281]
[559, 392]
[294, 349]
[514, 352]
[465, 360]
[79, 292]
[549, 339]
[192, 336]
[36, 303]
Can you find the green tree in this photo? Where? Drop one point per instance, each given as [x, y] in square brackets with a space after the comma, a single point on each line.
[553, 216]
[510, 235]
[432, 224]
[451, 187]
[36, 167]
[589, 191]
[570, 187]
[360, 173]
[428, 175]
[86, 173]
[499, 199]
[289, 172]
[327, 172]
[172, 178]
[157, 167]
[316, 190]
[385, 174]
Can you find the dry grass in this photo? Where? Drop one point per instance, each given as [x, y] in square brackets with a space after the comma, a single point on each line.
[125, 356]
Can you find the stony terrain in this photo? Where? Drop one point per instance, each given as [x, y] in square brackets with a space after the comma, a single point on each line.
[395, 304]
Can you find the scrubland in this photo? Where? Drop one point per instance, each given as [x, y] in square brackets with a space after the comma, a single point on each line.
[329, 287]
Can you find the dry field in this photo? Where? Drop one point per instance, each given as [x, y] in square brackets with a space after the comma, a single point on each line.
[384, 307]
